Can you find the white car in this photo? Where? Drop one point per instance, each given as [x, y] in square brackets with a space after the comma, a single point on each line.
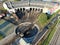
[2, 15]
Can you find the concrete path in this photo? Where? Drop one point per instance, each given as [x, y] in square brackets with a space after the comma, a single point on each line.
[58, 41]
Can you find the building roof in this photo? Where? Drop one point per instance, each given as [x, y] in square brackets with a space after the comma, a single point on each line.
[30, 3]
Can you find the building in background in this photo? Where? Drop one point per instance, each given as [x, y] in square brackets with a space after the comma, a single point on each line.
[52, 0]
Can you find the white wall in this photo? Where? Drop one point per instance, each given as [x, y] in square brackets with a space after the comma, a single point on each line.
[45, 9]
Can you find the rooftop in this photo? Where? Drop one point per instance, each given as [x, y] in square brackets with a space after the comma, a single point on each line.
[29, 3]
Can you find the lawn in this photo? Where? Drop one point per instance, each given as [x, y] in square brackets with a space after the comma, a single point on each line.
[42, 19]
[1, 37]
[2, 21]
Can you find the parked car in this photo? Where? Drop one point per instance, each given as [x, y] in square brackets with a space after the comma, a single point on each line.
[2, 16]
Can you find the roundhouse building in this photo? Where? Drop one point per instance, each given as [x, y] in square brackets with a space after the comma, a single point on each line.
[28, 5]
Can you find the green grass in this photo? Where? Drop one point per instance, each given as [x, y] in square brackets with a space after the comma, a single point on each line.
[58, 21]
[2, 21]
[47, 40]
[2, 9]
[1, 37]
[42, 19]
